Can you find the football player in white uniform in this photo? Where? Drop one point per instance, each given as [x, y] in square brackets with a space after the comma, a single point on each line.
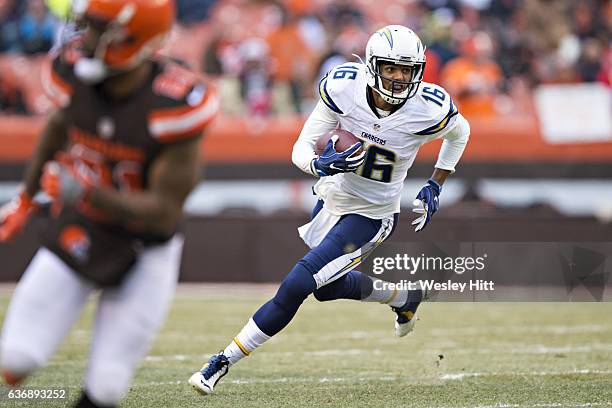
[385, 104]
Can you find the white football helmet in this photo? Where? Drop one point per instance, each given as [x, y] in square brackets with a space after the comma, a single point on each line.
[399, 45]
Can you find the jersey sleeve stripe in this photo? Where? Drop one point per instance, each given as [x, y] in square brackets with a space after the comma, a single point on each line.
[56, 89]
[172, 113]
[167, 128]
[326, 98]
[442, 124]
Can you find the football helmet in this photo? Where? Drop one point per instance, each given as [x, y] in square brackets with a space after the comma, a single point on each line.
[130, 32]
[395, 44]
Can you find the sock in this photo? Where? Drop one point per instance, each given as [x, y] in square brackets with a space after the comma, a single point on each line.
[249, 338]
[391, 297]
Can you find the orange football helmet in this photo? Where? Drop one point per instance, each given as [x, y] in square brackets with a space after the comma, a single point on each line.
[134, 29]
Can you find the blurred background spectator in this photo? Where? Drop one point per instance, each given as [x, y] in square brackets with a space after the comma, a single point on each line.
[270, 54]
[255, 77]
[11, 96]
[36, 28]
[8, 26]
[474, 78]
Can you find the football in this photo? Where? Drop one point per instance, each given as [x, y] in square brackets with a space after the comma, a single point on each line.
[345, 140]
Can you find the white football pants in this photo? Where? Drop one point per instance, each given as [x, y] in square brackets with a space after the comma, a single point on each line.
[50, 297]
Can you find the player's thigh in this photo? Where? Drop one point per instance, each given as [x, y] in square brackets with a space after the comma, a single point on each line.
[128, 316]
[45, 304]
[346, 245]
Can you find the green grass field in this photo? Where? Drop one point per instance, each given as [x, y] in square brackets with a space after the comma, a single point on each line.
[344, 354]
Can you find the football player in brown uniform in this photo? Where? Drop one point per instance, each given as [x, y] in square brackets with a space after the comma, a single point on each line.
[118, 157]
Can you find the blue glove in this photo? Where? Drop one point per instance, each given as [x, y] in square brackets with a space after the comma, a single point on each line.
[331, 162]
[426, 204]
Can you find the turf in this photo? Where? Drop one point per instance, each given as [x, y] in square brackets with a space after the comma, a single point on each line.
[343, 354]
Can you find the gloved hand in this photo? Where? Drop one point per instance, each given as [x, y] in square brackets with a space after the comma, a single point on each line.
[62, 184]
[331, 162]
[426, 203]
[14, 215]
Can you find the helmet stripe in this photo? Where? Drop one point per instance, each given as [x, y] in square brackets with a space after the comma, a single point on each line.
[385, 32]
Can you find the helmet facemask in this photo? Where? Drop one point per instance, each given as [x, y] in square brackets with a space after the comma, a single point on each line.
[93, 68]
[399, 91]
[119, 43]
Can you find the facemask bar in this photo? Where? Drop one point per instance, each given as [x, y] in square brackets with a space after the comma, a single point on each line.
[94, 70]
[411, 87]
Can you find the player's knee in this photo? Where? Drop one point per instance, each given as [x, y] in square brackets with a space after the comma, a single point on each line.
[296, 286]
[324, 294]
[16, 365]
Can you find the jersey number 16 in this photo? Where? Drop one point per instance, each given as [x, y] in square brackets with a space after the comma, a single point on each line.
[378, 164]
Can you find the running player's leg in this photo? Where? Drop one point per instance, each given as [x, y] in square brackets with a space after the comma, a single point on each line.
[340, 251]
[359, 286]
[350, 240]
[46, 302]
[127, 320]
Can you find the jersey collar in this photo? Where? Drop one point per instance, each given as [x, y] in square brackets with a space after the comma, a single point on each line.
[370, 99]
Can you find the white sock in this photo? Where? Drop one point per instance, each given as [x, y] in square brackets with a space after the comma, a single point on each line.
[249, 338]
[391, 297]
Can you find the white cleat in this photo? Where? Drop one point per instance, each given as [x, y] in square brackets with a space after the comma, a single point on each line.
[204, 381]
[407, 314]
[405, 324]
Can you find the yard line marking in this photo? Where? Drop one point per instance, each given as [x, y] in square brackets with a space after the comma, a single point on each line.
[521, 349]
[541, 405]
[551, 329]
[315, 353]
[461, 376]
[448, 376]
[531, 349]
[240, 381]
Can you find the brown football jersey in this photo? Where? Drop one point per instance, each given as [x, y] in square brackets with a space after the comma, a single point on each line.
[115, 142]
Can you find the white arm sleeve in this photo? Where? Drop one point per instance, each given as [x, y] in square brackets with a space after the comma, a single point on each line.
[321, 120]
[453, 145]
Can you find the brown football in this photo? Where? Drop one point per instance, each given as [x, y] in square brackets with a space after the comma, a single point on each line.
[345, 140]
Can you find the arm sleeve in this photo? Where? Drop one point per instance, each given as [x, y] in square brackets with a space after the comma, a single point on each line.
[320, 121]
[453, 145]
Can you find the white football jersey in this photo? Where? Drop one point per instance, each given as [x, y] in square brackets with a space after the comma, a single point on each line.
[391, 142]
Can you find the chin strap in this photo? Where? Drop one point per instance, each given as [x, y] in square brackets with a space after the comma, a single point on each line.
[389, 99]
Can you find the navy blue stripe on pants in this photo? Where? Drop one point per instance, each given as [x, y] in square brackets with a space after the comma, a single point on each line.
[350, 233]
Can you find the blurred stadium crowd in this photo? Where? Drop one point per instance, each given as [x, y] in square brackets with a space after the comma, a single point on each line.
[269, 55]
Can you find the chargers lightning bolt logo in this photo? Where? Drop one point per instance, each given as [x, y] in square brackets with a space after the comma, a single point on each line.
[385, 32]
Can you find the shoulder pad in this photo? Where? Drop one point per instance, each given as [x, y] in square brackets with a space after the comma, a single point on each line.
[174, 81]
[438, 108]
[337, 88]
[184, 107]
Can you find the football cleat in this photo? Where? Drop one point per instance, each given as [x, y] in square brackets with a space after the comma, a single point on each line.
[204, 381]
[407, 314]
